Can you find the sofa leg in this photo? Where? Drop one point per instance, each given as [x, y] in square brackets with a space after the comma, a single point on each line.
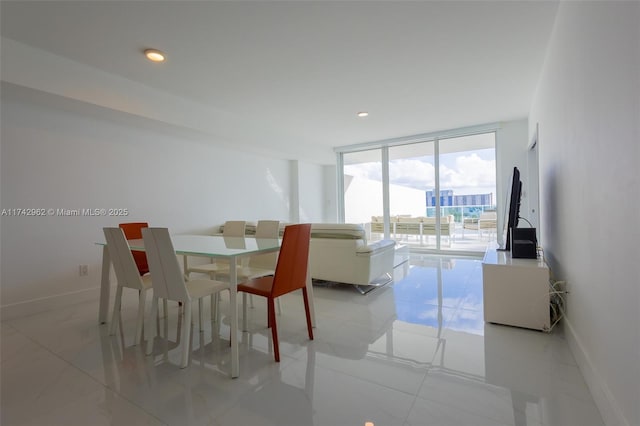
[381, 281]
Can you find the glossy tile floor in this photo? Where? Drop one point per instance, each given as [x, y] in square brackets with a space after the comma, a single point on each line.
[415, 352]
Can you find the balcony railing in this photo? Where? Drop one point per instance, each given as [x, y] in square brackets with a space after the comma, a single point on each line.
[468, 234]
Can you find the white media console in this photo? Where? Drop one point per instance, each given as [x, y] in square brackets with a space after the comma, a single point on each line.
[516, 291]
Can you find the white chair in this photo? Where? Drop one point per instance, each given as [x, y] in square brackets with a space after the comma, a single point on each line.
[232, 228]
[128, 276]
[261, 265]
[169, 283]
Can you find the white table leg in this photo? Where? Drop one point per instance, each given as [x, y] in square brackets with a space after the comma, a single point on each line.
[233, 306]
[104, 286]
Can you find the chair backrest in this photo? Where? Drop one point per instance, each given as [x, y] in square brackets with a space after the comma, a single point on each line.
[122, 258]
[166, 276]
[266, 229]
[133, 231]
[234, 228]
[234, 242]
[291, 270]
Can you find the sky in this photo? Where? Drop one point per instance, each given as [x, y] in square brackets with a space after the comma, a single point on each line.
[468, 172]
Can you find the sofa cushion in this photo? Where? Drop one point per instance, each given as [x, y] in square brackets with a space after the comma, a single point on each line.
[336, 231]
[409, 219]
[348, 231]
[443, 219]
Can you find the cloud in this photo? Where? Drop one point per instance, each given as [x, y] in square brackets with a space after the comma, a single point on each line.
[470, 171]
[412, 173]
[371, 171]
[467, 173]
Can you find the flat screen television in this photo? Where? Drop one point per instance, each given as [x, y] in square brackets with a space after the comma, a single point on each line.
[514, 206]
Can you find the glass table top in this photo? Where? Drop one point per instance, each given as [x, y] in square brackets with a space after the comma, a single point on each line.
[215, 245]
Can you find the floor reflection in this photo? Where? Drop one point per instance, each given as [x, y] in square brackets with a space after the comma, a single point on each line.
[441, 290]
[484, 373]
[411, 353]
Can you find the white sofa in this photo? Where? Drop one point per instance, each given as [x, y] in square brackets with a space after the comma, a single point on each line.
[341, 253]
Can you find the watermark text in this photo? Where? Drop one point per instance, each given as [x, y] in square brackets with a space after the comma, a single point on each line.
[61, 212]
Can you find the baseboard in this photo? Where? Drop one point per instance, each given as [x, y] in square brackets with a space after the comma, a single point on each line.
[604, 399]
[44, 304]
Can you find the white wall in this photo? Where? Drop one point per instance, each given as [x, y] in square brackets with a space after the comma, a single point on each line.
[330, 207]
[363, 199]
[588, 108]
[62, 153]
[312, 192]
[511, 151]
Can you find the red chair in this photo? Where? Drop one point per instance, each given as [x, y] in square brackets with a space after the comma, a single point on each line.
[133, 231]
[290, 275]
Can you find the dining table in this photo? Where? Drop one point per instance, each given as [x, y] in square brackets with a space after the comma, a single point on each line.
[231, 249]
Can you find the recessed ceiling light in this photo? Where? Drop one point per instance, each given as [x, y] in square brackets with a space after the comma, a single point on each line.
[154, 55]
[363, 114]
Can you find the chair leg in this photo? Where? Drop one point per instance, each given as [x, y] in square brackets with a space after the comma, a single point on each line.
[214, 299]
[214, 307]
[186, 333]
[151, 337]
[115, 318]
[305, 297]
[140, 324]
[277, 304]
[274, 328]
[200, 315]
[244, 312]
[218, 314]
[269, 313]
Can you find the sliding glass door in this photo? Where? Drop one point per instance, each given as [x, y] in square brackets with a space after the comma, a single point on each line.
[435, 195]
[467, 171]
[412, 172]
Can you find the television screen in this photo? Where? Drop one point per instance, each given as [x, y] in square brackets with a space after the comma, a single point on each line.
[514, 206]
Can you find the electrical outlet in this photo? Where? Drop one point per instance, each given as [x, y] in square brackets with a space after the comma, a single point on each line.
[84, 270]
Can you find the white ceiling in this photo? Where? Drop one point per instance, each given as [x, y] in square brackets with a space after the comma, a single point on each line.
[300, 71]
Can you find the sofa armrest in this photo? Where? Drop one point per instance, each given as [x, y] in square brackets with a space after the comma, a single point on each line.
[376, 247]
